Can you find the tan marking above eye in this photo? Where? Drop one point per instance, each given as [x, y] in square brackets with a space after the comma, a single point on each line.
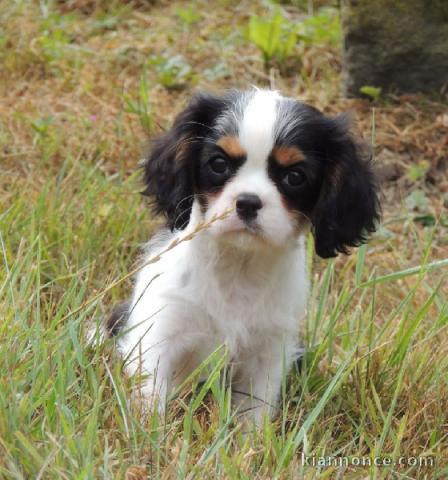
[287, 156]
[231, 146]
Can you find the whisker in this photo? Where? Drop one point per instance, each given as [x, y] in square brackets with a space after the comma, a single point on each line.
[192, 122]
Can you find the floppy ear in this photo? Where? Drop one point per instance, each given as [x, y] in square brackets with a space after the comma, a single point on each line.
[347, 208]
[169, 167]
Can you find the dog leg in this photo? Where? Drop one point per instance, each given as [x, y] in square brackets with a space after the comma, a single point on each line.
[257, 383]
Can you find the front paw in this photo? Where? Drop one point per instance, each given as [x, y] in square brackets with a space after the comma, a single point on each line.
[251, 411]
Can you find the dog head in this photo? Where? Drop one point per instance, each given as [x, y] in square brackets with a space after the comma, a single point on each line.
[279, 165]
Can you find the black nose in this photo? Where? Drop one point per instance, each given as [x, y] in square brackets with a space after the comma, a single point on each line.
[247, 205]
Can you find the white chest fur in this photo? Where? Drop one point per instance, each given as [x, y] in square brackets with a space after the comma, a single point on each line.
[201, 295]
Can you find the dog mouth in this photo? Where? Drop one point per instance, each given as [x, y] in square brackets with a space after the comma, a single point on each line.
[253, 229]
[246, 235]
[233, 228]
[248, 227]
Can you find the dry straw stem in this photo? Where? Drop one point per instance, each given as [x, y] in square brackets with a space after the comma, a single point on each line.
[177, 241]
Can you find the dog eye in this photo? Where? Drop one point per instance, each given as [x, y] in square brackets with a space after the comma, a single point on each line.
[294, 179]
[219, 165]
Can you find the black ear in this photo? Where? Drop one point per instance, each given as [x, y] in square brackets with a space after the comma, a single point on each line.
[169, 168]
[347, 209]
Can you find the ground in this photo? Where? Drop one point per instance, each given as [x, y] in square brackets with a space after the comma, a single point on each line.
[84, 85]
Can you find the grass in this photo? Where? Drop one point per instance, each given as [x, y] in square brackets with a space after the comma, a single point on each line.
[78, 98]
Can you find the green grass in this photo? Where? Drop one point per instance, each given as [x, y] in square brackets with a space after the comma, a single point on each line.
[79, 103]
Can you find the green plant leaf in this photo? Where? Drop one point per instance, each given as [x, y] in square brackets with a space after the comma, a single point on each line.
[417, 200]
[372, 92]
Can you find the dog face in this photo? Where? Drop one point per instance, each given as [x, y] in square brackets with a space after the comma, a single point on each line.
[276, 164]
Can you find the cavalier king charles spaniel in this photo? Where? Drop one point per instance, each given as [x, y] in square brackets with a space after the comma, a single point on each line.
[260, 171]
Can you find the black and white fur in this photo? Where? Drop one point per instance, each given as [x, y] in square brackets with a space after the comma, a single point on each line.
[242, 282]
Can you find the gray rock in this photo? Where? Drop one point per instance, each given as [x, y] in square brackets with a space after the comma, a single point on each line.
[398, 45]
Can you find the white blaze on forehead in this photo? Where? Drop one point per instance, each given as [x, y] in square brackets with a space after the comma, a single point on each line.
[256, 132]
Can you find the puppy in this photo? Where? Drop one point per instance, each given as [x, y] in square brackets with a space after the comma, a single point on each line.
[260, 170]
